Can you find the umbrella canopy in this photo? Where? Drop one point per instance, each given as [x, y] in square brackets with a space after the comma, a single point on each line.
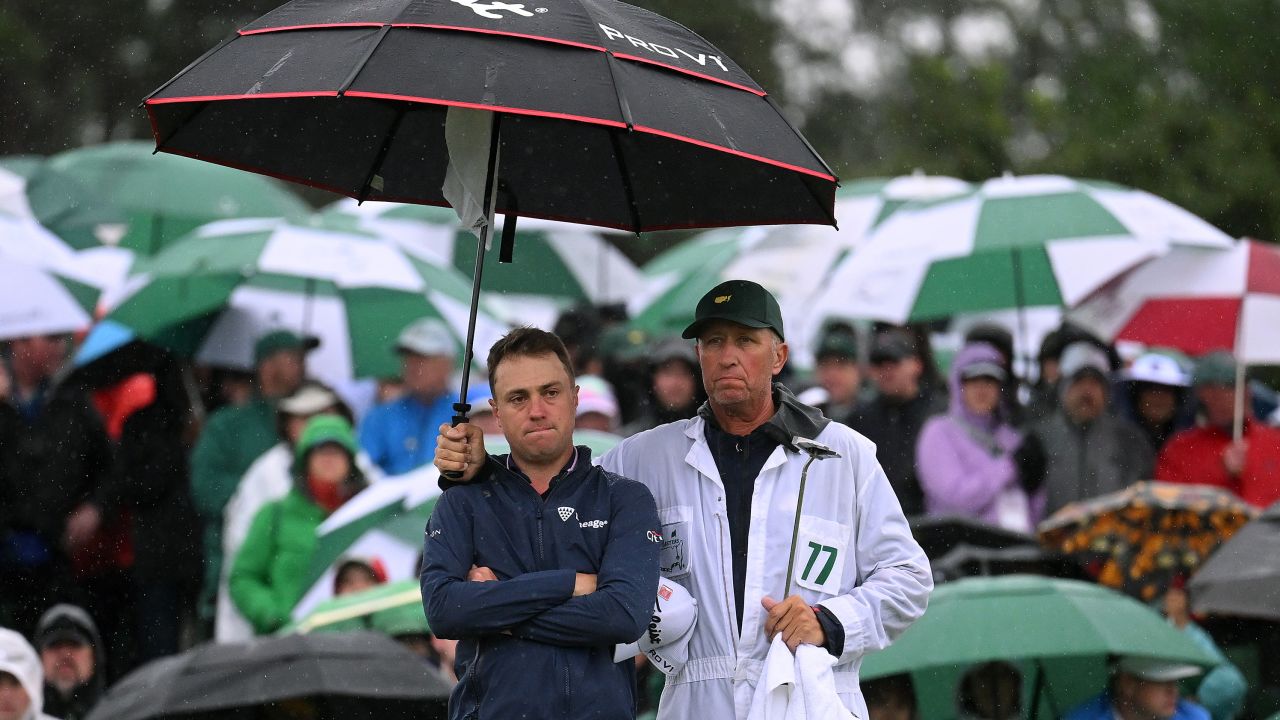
[940, 534]
[1060, 633]
[557, 264]
[39, 301]
[348, 675]
[393, 608]
[212, 294]
[164, 197]
[1196, 300]
[1142, 538]
[1243, 577]
[1015, 242]
[790, 261]
[67, 207]
[611, 115]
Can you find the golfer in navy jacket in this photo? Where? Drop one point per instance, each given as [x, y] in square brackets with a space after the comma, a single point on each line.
[543, 567]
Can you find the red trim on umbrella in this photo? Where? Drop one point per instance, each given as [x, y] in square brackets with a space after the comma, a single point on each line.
[491, 108]
[1193, 325]
[702, 76]
[731, 151]
[255, 96]
[1263, 274]
[314, 26]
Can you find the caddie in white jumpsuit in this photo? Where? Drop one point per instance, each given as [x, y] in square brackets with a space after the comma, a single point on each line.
[726, 484]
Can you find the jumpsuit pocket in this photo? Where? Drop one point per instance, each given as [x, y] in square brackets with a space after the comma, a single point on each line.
[676, 527]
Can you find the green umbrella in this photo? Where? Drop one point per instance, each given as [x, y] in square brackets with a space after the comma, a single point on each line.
[67, 207]
[394, 608]
[556, 265]
[165, 196]
[1014, 242]
[211, 294]
[1060, 633]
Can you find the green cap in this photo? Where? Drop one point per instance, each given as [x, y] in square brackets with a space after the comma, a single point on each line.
[739, 301]
[277, 340]
[325, 430]
[1216, 368]
[838, 345]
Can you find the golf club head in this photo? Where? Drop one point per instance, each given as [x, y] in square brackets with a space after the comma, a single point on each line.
[815, 449]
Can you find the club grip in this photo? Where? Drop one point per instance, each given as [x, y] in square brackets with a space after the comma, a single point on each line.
[462, 411]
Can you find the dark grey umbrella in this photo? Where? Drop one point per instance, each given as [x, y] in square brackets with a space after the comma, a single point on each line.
[939, 535]
[335, 675]
[1243, 577]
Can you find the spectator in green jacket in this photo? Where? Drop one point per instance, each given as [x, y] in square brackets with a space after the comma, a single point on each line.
[268, 576]
[236, 436]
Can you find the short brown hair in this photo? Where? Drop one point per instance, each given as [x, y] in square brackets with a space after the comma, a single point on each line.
[527, 342]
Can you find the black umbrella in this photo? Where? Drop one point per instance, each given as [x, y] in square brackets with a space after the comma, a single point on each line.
[602, 113]
[333, 675]
[939, 535]
[1242, 578]
[966, 560]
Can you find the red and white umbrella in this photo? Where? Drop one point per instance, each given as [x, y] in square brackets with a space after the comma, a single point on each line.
[1197, 300]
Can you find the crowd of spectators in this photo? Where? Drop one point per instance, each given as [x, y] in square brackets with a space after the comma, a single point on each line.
[136, 524]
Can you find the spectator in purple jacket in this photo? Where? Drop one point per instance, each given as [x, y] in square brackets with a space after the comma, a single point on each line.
[965, 458]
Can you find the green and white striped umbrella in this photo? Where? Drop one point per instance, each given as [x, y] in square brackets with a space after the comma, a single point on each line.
[1014, 242]
[556, 265]
[791, 261]
[44, 287]
[210, 295]
[164, 196]
[67, 207]
[394, 608]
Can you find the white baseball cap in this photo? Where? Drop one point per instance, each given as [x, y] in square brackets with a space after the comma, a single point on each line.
[1159, 369]
[666, 640]
[1154, 670]
[595, 395]
[428, 337]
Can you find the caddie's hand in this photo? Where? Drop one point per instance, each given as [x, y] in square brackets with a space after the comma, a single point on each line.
[481, 574]
[795, 620]
[584, 584]
[460, 449]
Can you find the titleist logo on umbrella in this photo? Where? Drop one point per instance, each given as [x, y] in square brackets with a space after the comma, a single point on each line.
[493, 10]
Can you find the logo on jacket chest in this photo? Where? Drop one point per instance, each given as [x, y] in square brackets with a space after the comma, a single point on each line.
[565, 512]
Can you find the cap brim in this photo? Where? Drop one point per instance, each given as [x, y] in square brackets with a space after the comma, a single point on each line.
[691, 332]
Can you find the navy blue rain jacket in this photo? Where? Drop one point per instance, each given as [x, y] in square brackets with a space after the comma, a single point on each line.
[529, 649]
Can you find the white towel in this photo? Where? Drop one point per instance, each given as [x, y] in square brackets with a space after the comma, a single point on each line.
[797, 687]
[468, 134]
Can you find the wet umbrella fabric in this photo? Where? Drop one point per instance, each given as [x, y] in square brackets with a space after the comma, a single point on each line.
[939, 535]
[1059, 633]
[324, 670]
[1148, 536]
[392, 608]
[164, 197]
[611, 115]
[1243, 577]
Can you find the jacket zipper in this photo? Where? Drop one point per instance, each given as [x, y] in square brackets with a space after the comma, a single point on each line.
[728, 589]
[538, 515]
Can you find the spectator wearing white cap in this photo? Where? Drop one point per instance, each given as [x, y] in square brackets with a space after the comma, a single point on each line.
[21, 679]
[400, 435]
[1143, 689]
[1156, 396]
[1080, 450]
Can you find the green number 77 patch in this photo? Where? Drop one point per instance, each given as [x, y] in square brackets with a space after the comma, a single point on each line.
[824, 568]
